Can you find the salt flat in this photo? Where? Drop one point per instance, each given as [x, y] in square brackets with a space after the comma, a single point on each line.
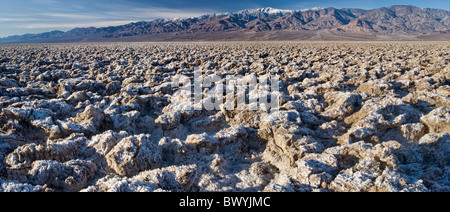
[351, 116]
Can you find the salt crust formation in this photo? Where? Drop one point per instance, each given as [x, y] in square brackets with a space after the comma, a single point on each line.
[104, 117]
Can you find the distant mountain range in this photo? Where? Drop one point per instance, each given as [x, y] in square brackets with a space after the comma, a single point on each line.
[387, 23]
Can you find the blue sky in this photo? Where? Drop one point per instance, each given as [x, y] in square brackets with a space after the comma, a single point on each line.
[35, 16]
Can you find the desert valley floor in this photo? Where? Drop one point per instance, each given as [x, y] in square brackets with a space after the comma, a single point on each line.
[353, 116]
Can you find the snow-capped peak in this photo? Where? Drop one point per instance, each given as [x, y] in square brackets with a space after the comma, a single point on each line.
[267, 10]
[271, 10]
[313, 9]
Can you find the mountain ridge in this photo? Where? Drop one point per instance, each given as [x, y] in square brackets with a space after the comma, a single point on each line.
[398, 22]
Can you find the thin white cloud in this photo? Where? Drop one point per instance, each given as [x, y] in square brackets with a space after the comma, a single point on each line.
[70, 16]
[75, 25]
[149, 13]
[4, 19]
[103, 19]
[61, 16]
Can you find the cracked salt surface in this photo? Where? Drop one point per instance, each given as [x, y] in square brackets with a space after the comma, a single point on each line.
[105, 117]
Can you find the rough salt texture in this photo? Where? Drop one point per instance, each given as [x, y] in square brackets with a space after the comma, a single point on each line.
[108, 117]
